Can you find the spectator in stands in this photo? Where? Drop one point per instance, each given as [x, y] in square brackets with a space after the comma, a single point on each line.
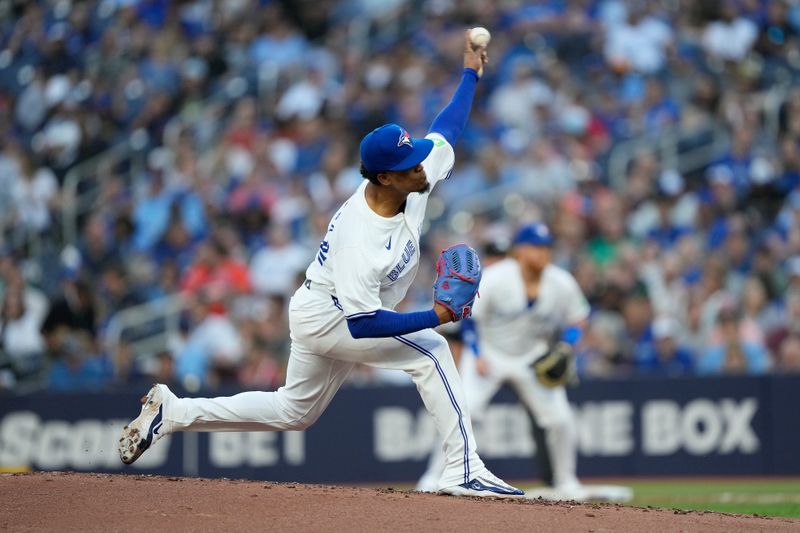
[640, 44]
[79, 366]
[641, 175]
[789, 124]
[777, 36]
[666, 233]
[154, 211]
[790, 325]
[97, 248]
[600, 353]
[72, 316]
[116, 292]
[177, 246]
[212, 351]
[254, 194]
[127, 370]
[9, 172]
[35, 195]
[736, 249]
[545, 174]
[712, 294]
[638, 315]
[793, 272]
[607, 214]
[259, 370]
[277, 42]
[163, 371]
[667, 356]
[719, 202]
[668, 290]
[739, 160]
[514, 104]
[789, 355]
[660, 110]
[215, 274]
[694, 336]
[731, 36]
[787, 226]
[263, 326]
[21, 341]
[274, 268]
[759, 307]
[731, 353]
[489, 169]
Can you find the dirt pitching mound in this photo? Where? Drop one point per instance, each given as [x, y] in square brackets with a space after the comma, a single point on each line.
[56, 501]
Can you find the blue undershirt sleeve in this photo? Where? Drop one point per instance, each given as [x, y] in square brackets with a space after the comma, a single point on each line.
[572, 335]
[450, 122]
[469, 336]
[388, 323]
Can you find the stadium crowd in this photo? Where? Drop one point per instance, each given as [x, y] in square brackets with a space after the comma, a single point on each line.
[249, 114]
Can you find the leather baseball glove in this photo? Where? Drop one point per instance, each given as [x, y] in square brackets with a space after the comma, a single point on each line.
[458, 274]
[556, 367]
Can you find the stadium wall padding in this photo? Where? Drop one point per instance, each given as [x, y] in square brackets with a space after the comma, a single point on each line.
[643, 427]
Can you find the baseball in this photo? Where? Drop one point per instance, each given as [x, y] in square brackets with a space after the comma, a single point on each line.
[479, 37]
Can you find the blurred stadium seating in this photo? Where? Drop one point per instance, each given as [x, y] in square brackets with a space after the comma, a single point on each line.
[167, 168]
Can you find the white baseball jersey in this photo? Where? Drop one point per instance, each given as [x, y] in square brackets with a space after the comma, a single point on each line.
[367, 261]
[513, 330]
[512, 333]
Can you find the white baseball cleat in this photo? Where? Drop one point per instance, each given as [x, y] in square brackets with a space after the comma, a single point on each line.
[427, 484]
[486, 485]
[145, 429]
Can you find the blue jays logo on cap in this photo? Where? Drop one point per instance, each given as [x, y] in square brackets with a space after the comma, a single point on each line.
[534, 234]
[405, 138]
[390, 147]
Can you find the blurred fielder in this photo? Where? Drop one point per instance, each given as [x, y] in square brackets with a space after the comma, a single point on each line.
[342, 315]
[525, 325]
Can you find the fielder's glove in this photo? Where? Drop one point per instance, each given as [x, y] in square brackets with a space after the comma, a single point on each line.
[556, 367]
[458, 274]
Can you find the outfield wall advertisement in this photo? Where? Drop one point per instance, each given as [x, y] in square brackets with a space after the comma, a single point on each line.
[730, 426]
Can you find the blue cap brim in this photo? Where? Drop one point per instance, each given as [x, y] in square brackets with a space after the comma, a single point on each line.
[529, 238]
[422, 148]
[545, 243]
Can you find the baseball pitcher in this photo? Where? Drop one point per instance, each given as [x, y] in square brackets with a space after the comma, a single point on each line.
[343, 313]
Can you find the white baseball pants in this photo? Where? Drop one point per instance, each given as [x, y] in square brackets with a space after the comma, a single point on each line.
[549, 405]
[322, 355]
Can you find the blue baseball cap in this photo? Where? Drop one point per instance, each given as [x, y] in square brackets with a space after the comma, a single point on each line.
[534, 234]
[390, 147]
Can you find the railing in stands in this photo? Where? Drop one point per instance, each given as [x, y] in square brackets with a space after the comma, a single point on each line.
[163, 313]
[713, 141]
[512, 201]
[81, 185]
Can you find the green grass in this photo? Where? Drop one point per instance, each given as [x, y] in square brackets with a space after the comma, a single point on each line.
[768, 497]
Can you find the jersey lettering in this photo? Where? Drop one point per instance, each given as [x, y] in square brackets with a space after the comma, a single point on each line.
[408, 253]
[324, 247]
